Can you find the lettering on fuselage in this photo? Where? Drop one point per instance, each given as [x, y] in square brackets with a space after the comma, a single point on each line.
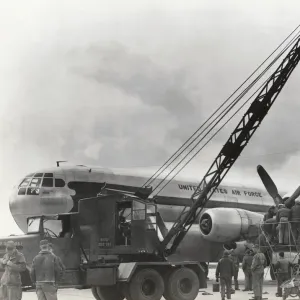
[224, 191]
[17, 243]
[19, 246]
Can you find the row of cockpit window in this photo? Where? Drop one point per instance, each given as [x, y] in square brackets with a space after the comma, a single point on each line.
[31, 184]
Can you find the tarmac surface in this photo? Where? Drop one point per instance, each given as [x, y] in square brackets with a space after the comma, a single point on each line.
[270, 289]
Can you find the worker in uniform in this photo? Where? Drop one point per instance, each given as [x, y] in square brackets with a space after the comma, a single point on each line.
[45, 273]
[295, 221]
[236, 264]
[225, 271]
[269, 225]
[246, 266]
[258, 264]
[282, 217]
[270, 213]
[283, 267]
[14, 263]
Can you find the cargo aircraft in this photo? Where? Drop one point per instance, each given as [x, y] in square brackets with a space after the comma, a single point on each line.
[226, 220]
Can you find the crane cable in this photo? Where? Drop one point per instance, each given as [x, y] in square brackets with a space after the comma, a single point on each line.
[181, 150]
[279, 55]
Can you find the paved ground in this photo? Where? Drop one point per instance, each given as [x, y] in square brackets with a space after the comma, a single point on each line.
[72, 294]
[269, 288]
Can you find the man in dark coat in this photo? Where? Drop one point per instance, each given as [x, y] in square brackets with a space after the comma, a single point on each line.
[246, 266]
[46, 272]
[283, 267]
[13, 263]
[225, 271]
[283, 217]
[258, 265]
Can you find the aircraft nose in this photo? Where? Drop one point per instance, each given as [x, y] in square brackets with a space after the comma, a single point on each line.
[41, 202]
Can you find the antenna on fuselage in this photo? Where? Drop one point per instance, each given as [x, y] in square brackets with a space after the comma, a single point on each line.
[59, 161]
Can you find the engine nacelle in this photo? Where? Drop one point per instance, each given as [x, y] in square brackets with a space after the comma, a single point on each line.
[227, 224]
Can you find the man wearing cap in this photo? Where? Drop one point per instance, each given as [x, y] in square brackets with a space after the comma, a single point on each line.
[45, 273]
[14, 263]
[258, 264]
[282, 217]
[225, 270]
[295, 219]
[283, 267]
[246, 266]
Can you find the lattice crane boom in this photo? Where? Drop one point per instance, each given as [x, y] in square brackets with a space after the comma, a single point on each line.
[232, 149]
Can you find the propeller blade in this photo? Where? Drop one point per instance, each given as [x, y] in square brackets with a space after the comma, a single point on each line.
[290, 202]
[269, 184]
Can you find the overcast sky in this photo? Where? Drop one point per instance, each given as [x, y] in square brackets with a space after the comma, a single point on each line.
[124, 83]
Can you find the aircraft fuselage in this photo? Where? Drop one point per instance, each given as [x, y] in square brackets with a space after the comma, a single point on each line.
[58, 190]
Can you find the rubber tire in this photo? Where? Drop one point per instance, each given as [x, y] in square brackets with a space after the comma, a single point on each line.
[135, 290]
[109, 293]
[172, 290]
[95, 293]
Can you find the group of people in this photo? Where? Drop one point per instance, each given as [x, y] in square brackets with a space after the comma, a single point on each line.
[253, 265]
[47, 270]
[280, 222]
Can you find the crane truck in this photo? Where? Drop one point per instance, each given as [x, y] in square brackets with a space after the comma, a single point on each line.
[118, 244]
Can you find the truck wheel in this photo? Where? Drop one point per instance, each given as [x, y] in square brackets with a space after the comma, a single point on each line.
[183, 284]
[95, 293]
[146, 284]
[109, 293]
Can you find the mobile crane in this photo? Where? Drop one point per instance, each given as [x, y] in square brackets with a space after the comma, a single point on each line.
[130, 257]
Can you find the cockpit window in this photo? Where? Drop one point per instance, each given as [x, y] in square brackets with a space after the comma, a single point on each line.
[31, 185]
[36, 182]
[33, 191]
[47, 182]
[25, 182]
[59, 182]
[48, 175]
[38, 175]
[29, 175]
[22, 191]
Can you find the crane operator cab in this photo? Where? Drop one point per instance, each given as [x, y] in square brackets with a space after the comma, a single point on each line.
[118, 224]
[106, 227]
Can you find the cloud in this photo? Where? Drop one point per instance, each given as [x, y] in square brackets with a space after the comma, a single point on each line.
[123, 85]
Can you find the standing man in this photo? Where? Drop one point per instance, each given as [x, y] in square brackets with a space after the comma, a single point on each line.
[283, 272]
[225, 271]
[258, 264]
[236, 264]
[246, 266]
[45, 273]
[14, 263]
[282, 217]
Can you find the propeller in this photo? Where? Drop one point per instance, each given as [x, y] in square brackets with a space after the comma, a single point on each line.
[269, 185]
[290, 202]
[272, 189]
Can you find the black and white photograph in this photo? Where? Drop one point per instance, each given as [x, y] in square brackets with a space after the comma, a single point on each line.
[149, 150]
